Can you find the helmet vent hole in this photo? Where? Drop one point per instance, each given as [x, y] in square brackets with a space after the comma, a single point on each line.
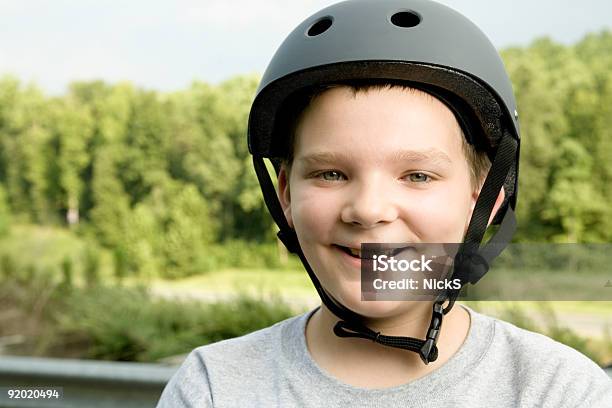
[320, 26]
[405, 19]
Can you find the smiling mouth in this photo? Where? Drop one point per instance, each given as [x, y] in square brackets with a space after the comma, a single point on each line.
[356, 253]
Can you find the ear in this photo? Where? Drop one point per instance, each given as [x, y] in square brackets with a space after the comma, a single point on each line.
[284, 196]
[498, 202]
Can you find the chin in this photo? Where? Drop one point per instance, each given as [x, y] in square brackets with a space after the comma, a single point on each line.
[350, 297]
[379, 309]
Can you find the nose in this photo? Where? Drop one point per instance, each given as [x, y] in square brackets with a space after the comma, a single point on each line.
[369, 203]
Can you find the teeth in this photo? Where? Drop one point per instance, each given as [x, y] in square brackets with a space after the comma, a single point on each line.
[356, 252]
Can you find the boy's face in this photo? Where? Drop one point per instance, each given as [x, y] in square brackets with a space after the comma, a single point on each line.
[381, 166]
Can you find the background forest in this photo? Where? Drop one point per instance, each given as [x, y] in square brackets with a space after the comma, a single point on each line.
[164, 181]
[110, 182]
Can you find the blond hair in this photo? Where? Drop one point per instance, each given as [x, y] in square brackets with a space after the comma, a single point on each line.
[478, 161]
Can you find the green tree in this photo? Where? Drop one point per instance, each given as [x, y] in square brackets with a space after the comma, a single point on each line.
[573, 203]
[73, 127]
[143, 163]
[186, 228]
[541, 128]
[110, 108]
[111, 203]
[5, 216]
[26, 152]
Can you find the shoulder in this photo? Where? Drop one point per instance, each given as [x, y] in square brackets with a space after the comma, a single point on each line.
[247, 349]
[546, 370]
[535, 349]
[216, 365]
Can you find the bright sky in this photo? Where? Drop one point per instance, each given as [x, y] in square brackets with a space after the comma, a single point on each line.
[165, 45]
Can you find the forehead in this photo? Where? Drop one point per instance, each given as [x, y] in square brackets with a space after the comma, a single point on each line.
[376, 123]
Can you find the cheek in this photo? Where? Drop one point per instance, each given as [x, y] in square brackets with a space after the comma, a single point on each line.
[314, 212]
[440, 214]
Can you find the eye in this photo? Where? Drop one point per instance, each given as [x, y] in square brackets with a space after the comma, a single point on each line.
[419, 177]
[330, 175]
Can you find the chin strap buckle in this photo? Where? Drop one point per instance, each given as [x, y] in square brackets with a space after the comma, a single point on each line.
[429, 351]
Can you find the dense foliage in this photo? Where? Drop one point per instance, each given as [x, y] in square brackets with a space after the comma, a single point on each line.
[165, 180]
[49, 317]
[44, 316]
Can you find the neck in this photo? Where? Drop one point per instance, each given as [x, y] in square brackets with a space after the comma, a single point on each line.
[367, 364]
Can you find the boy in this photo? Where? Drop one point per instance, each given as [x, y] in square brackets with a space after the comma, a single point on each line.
[387, 121]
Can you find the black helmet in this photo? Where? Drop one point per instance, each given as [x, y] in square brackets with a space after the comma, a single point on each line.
[422, 44]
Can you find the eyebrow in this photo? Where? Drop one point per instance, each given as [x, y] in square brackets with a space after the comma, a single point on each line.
[431, 155]
[412, 156]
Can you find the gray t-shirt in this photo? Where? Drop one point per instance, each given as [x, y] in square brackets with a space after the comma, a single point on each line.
[498, 365]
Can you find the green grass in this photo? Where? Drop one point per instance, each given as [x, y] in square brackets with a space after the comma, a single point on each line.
[296, 284]
[538, 285]
[45, 247]
[288, 282]
[600, 308]
[40, 245]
